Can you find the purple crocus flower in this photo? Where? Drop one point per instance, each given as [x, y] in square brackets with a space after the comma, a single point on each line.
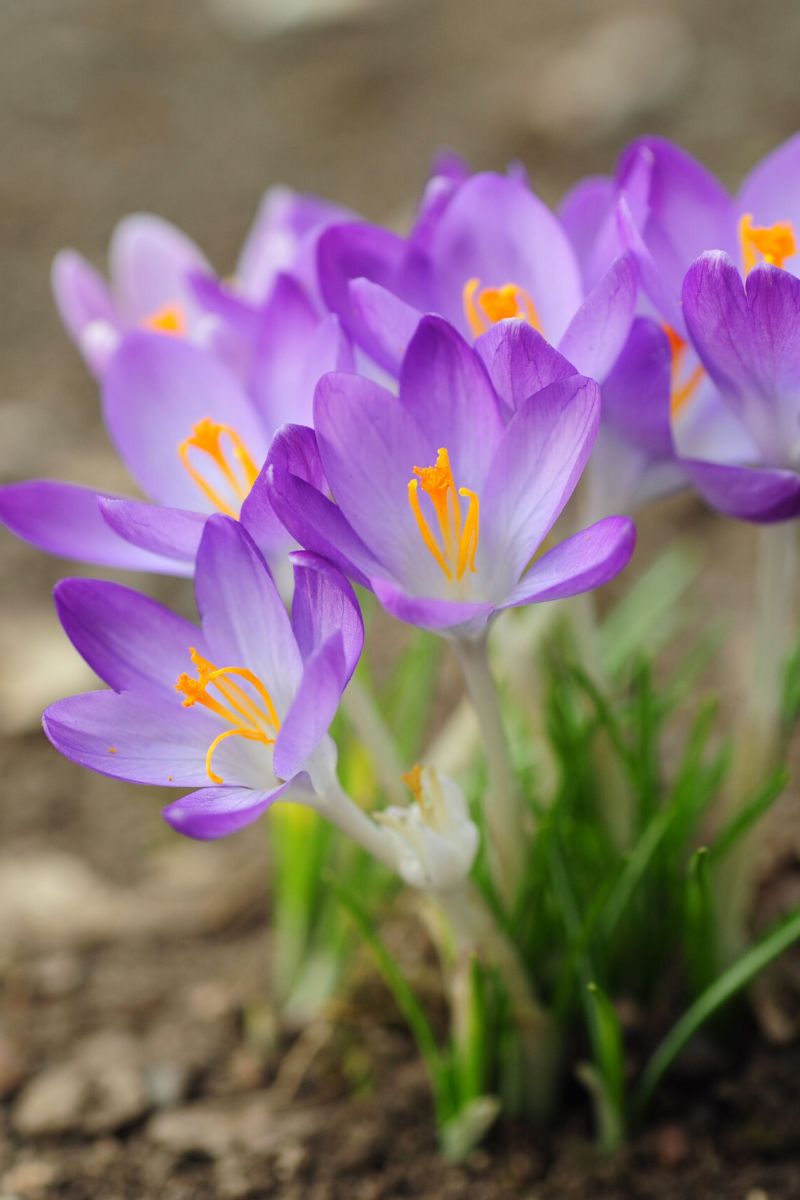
[157, 275]
[236, 709]
[444, 495]
[193, 438]
[669, 209]
[483, 249]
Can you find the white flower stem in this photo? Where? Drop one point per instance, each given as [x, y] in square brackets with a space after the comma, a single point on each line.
[504, 814]
[332, 802]
[758, 743]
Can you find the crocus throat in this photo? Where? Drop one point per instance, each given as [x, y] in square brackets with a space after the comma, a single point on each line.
[484, 307]
[232, 462]
[248, 710]
[455, 548]
[765, 243]
[682, 386]
[171, 319]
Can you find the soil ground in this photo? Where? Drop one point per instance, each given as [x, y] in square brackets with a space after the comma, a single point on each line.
[136, 1058]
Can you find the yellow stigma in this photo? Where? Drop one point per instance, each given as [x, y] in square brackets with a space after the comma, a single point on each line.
[234, 464]
[681, 389]
[413, 781]
[170, 319]
[459, 536]
[250, 711]
[484, 307]
[774, 243]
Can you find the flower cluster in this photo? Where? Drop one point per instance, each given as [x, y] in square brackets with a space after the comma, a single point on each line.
[412, 414]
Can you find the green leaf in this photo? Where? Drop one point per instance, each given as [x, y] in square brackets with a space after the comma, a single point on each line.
[748, 815]
[737, 976]
[647, 616]
[609, 1053]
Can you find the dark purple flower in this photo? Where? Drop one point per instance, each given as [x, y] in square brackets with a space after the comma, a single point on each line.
[237, 708]
[444, 495]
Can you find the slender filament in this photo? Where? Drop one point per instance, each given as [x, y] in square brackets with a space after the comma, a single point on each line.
[682, 386]
[456, 545]
[219, 446]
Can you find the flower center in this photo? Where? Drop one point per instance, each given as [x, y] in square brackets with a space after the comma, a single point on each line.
[171, 319]
[484, 307]
[249, 710]
[230, 463]
[682, 386]
[455, 548]
[774, 243]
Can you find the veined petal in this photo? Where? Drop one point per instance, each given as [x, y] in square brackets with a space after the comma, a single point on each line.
[132, 642]
[597, 332]
[313, 708]
[757, 494]
[582, 562]
[520, 361]
[325, 604]
[64, 519]
[172, 532]
[215, 812]
[243, 616]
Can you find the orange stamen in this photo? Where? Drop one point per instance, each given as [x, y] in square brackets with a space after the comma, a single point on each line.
[774, 243]
[239, 475]
[171, 319]
[252, 716]
[681, 390]
[485, 307]
[459, 536]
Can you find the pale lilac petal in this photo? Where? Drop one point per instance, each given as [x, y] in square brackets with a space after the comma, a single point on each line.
[81, 294]
[771, 192]
[520, 361]
[584, 561]
[130, 641]
[749, 493]
[312, 709]
[172, 532]
[446, 388]
[64, 519]
[597, 332]
[215, 812]
[534, 473]
[155, 390]
[323, 604]
[293, 479]
[462, 618]
[150, 260]
[243, 616]
[496, 230]
[583, 212]
[386, 321]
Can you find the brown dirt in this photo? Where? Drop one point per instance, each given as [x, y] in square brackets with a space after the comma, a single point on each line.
[110, 928]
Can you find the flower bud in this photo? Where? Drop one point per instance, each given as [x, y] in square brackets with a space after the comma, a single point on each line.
[435, 840]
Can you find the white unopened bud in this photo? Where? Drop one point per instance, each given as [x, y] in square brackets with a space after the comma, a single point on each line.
[435, 840]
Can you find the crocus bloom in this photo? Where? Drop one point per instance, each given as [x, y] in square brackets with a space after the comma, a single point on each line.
[444, 494]
[236, 709]
[156, 275]
[484, 249]
[436, 840]
[193, 438]
[669, 209]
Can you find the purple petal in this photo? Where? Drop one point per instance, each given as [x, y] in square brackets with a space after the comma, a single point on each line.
[461, 618]
[215, 812]
[444, 384]
[496, 230]
[323, 604]
[312, 709]
[749, 493]
[139, 738]
[155, 390]
[281, 228]
[583, 212]
[64, 519]
[150, 260]
[771, 192]
[129, 640]
[369, 444]
[385, 321]
[534, 473]
[293, 478]
[636, 395]
[597, 332]
[520, 361]
[83, 299]
[582, 562]
[172, 532]
[243, 616]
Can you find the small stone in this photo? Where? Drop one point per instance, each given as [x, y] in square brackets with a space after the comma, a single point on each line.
[57, 975]
[167, 1083]
[672, 1145]
[214, 1130]
[99, 1089]
[29, 1178]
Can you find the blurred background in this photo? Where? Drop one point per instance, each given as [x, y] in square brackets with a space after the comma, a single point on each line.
[190, 109]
